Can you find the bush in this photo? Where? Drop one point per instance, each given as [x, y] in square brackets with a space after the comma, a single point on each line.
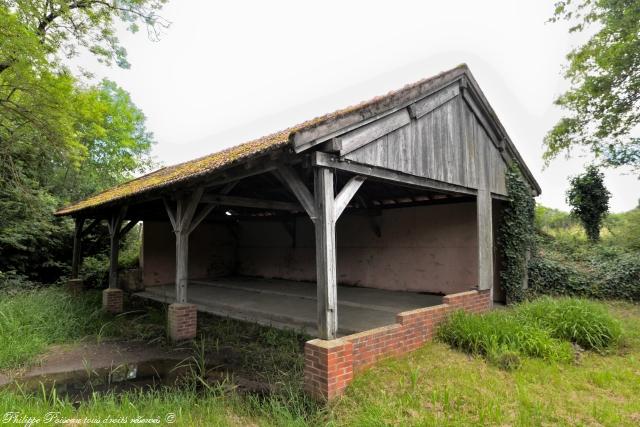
[603, 274]
[579, 321]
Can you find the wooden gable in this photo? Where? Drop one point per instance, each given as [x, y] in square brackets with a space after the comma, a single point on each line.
[441, 136]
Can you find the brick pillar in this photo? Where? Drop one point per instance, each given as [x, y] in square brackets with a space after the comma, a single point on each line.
[75, 286]
[183, 321]
[328, 367]
[112, 300]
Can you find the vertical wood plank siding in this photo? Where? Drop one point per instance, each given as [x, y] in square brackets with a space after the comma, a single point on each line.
[440, 142]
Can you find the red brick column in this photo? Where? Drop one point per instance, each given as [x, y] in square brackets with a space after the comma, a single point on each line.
[112, 300]
[75, 286]
[328, 367]
[183, 321]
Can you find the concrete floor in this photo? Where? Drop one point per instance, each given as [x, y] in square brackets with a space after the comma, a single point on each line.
[292, 305]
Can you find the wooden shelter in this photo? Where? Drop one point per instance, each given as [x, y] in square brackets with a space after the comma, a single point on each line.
[433, 150]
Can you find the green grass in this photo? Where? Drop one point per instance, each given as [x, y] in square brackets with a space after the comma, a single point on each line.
[544, 328]
[435, 385]
[497, 333]
[32, 320]
[580, 321]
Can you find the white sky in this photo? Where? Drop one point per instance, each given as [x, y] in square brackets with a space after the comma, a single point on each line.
[226, 72]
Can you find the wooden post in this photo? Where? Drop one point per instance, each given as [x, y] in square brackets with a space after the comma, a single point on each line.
[485, 222]
[182, 264]
[76, 259]
[183, 223]
[324, 210]
[114, 225]
[326, 254]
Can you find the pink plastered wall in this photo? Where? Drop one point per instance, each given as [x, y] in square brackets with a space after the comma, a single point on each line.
[211, 252]
[428, 248]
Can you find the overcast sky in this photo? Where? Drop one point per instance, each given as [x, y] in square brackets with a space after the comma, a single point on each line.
[226, 72]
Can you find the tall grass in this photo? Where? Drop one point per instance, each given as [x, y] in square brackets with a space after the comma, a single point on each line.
[33, 319]
[544, 328]
[579, 321]
[497, 333]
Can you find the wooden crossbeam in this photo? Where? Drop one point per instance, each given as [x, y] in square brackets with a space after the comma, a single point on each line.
[252, 203]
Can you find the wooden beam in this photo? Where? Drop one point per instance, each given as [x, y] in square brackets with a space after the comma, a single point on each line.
[485, 223]
[128, 227]
[76, 258]
[399, 178]
[291, 179]
[252, 203]
[185, 209]
[91, 226]
[346, 194]
[114, 223]
[189, 205]
[351, 141]
[427, 105]
[206, 210]
[170, 212]
[325, 233]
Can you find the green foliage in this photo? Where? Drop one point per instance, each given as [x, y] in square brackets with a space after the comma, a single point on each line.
[589, 199]
[32, 320]
[580, 321]
[543, 329]
[63, 27]
[625, 229]
[602, 274]
[516, 234]
[499, 333]
[604, 98]
[549, 218]
[61, 139]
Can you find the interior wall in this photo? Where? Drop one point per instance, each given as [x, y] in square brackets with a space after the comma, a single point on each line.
[427, 248]
[211, 252]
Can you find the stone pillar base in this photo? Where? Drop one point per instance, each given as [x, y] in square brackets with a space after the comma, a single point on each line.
[75, 286]
[112, 300]
[183, 321]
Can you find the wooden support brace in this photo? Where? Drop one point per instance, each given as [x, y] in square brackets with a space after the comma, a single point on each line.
[128, 227]
[346, 194]
[90, 227]
[291, 179]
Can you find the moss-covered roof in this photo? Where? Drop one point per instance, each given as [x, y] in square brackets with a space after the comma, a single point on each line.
[185, 172]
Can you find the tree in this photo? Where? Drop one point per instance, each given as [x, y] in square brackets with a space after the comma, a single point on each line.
[589, 200]
[63, 26]
[61, 139]
[604, 99]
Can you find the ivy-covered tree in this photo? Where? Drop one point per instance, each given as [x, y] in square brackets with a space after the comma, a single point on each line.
[603, 102]
[589, 200]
